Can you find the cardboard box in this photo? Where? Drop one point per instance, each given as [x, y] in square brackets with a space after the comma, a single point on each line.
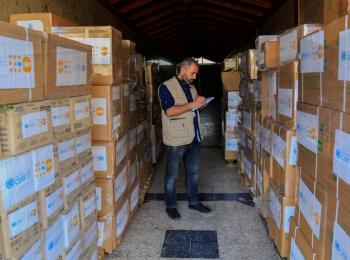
[232, 99]
[300, 248]
[307, 136]
[341, 233]
[50, 204]
[288, 78]
[231, 147]
[106, 57]
[75, 252]
[121, 149]
[42, 22]
[132, 172]
[83, 145]
[289, 41]
[334, 9]
[132, 135]
[71, 187]
[231, 63]
[121, 219]
[248, 66]
[87, 206]
[231, 122]
[61, 117]
[129, 60]
[230, 80]
[106, 112]
[311, 68]
[335, 80]
[106, 233]
[284, 153]
[134, 198]
[53, 239]
[71, 225]
[269, 94]
[22, 65]
[34, 252]
[141, 133]
[104, 156]
[249, 119]
[125, 109]
[249, 169]
[110, 191]
[270, 55]
[89, 236]
[25, 127]
[259, 41]
[17, 239]
[66, 150]
[81, 112]
[67, 67]
[87, 173]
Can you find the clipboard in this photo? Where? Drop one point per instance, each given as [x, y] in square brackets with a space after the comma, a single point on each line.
[207, 101]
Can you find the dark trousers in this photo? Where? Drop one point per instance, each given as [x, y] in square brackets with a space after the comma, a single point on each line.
[190, 155]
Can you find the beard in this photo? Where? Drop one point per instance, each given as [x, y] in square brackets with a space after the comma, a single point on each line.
[187, 80]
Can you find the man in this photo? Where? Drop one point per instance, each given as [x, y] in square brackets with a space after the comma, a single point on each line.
[181, 134]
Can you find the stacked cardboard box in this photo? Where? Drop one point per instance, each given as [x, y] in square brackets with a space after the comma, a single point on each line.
[45, 145]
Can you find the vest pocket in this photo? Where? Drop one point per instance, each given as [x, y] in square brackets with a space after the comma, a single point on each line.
[178, 128]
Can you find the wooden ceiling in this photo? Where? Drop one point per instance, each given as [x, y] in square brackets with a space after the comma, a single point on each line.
[182, 28]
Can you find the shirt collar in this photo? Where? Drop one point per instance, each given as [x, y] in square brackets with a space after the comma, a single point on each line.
[182, 82]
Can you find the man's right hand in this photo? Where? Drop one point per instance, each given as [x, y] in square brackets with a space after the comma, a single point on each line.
[198, 101]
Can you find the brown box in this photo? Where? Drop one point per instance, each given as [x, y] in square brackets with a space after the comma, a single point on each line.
[307, 129]
[121, 218]
[129, 60]
[299, 245]
[110, 191]
[106, 233]
[87, 207]
[230, 80]
[231, 147]
[289, 41]
[60, 116]
[248, 64]
[23, 63]
[89, 238]
[311, 68]
[81, 112]
[334, 9]
[231, 63]
[25, 127]
[271, 51]
[266, 156]
[18, 239]
[67, 67]
[269, 94]
[106, 52]
[65, 147]
[71, 187]
[132, 171]
[87, 173]
[288, 77]
[284, 153]
[104, 156]
[42, 22]
[125, 108]
[50, 204]
[106, 112]
[335, 80]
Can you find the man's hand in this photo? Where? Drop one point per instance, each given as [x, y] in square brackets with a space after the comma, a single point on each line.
[198, 101]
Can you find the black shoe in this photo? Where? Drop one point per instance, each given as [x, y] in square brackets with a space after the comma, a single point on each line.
[200, 207]
[173, 213]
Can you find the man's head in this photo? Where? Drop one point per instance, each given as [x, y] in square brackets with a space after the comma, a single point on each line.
[188, 70]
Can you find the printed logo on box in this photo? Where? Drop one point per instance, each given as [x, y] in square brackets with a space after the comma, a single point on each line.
[34, 123]
[66, 149]
[82, 110]
[60, 116]
[43, 167]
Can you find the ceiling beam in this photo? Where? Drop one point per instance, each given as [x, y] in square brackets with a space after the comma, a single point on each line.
[132, 5]
[154, 18]
[148, 11]
[232, 5]
[172, 20]
[260, 3]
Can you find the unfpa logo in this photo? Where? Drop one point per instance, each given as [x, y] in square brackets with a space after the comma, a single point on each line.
[103, 51]
[39, 123]
[64, 66]
[18, 63]
[43, 167]
[99, 111]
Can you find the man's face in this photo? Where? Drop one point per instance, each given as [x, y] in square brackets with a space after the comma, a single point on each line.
[190, 73]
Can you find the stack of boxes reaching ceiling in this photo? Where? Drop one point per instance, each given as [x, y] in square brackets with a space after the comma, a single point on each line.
[72, 142]
[302, 136]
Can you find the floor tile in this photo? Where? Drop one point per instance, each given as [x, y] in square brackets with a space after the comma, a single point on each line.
[201, 250]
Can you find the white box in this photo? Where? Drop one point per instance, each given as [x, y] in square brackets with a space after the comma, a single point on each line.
[54, 240]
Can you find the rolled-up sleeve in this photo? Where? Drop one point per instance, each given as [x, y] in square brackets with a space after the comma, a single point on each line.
[166, 99]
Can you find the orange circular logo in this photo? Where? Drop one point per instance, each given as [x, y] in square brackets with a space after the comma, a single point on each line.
[27, 64]
[103, 51]
[60, 66]
[100, 111]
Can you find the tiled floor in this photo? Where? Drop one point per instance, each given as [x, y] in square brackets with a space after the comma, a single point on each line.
[240, 231]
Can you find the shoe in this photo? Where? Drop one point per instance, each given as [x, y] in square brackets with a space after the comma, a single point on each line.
[173, 213]
[200, 207]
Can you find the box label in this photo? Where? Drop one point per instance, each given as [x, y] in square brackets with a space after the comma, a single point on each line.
[90, 235]
[276, 209]
[247, 120]
[101, 49]
[278, 149]
[22, 219]
[266, 140]
[134, 198]
[133, 172]
[288, 46]
[54, 240]
[312, 53]
[43, 167]
[71, 67]
[231, 144]
[71, 225]
[122, 219]
[32, 24]
[17, 68]
[82, 110]
[90, 205]
[116, 92]
[341, 155]
[60, 116]
[288, 213]
[101, 231]
[34, 253]
[87, 172]
[247, 167]
[285, 102]
[120, 184]
[99, 198]
[71, 182]
[17, 179]
[307, 130]
[66, 150]
[83, 143]
[311, 208]
[121, 149]
[99, 111]
[231, 121]
[75, 252]
[99, 154]
[341, 243]
[116, 122]
[259, 180]
[34, 123]
[293, 155]
[54, 202]
[233, 99]
[344, 55]
[295, 252]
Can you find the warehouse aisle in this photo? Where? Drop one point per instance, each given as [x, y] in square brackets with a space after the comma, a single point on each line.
[236, 225]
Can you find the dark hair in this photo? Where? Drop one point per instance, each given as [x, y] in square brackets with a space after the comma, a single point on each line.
[187, 62]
